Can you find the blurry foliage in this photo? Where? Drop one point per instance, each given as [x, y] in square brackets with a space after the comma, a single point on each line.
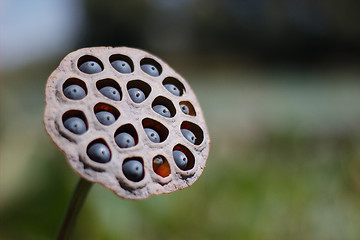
[277, 30]
[282, 183]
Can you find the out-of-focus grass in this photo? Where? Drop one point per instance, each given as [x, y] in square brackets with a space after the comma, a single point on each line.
[284, 164]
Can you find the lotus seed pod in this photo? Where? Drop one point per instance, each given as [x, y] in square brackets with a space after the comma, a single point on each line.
[189, 135]
[180, 159]
[150, 69]
[90, 67]
[173, 89]
[136, 95]
[99, 152]
[162, 110]
[124, 140]
[152, 134]
[75, 125]
[111, 93]
[130, 145]
[74, 92]
[133, 170]
[121, 66]
[105, 117]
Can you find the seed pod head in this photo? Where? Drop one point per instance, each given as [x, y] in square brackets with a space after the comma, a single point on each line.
[133, 124]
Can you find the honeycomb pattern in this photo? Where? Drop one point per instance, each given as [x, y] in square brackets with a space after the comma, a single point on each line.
[100, 95]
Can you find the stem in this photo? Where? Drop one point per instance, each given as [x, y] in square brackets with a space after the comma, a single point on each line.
[76, 202]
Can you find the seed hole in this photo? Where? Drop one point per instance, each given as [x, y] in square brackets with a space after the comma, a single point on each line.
[75, 121]
[151, 67]
[174, 86]
[110, 89]
[126, 136]
[160, 129]
[74, 89]
[106, 114]
[187, 108]
[122, 63]
[133, 169]
[141, 85]
[161, 166]
[95, 63]
[168, 111]
[99, 151]
[195, 129]
[189, 157]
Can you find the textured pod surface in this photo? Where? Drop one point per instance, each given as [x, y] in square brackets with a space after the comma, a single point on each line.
[133, 118]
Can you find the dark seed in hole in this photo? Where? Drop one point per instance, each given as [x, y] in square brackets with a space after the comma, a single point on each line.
[90, 67]
[133, 170]
[173, 89]
[189, 135]
[121, 66]
[152, 134]
[185, 109]
[99, 152]
[150, 69]
[75, 125]
[105, 117]
[74, 92]
[124, 140]
[136, 95]
[180, 159]
[111, 93]
[162, 110]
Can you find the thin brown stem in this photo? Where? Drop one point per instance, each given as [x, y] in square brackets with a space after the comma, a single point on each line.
[76, 202]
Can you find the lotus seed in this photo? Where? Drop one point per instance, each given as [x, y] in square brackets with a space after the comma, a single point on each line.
[75, 125]
[124, 140]
[180, 159]
[111, 93]
[150, 69]
[172, 88]
[158, 160]
[133, 170]
[136, 95]
[74, 92]
[105, 117]
[161, 166]
[185, 109]
[99, 152]
[162, 110]
[121, 66]
[189, 135]
[90, 67]
[152, 134]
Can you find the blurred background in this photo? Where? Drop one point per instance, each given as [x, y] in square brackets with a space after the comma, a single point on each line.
[278, 82]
